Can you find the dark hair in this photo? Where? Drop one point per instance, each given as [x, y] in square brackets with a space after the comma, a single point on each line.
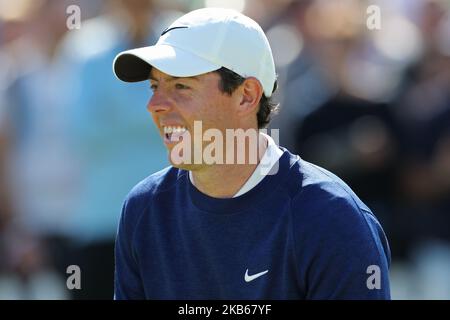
[230, 80]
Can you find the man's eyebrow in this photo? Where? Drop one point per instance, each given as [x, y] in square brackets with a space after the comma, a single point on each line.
[170, 78]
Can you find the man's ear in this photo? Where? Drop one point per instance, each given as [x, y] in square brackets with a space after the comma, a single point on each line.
[251, 92]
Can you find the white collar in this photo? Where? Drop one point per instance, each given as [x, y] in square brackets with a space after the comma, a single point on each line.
[269, 159]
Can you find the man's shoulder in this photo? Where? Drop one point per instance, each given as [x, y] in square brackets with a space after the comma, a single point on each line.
[318, 187]
[152, 185]
[326, 207]
[143, 194]
[319, 200]
[311, 187]
[336, 226]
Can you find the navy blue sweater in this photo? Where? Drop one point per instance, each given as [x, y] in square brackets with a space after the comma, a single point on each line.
[299, 234]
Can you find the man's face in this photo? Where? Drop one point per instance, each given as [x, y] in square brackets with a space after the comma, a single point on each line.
[178, 102]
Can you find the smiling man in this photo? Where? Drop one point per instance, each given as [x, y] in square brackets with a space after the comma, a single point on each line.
[271, 227]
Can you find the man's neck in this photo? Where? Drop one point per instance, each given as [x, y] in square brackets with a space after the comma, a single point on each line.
[224, 181]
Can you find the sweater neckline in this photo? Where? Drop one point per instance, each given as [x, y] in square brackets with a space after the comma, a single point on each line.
[261, 191]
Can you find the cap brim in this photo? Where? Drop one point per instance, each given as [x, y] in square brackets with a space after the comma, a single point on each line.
[135, 65]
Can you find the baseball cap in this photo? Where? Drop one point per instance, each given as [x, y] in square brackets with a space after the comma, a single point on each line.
[202, 41]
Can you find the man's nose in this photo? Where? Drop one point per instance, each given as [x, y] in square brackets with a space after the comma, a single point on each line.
[158, 103]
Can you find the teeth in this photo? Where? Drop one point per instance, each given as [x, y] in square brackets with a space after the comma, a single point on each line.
[167, 129]
[171, 129]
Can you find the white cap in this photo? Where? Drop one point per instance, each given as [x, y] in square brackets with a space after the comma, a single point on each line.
[202, 41]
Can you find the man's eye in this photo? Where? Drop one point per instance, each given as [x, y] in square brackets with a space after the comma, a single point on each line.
[181, 86]
[153, 87]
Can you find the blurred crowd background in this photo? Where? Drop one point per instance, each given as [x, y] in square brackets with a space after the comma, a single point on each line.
[373, 106]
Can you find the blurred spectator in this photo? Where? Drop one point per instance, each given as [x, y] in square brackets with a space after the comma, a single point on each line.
[423, 116]
[114, 143]
[36, 160]
[72, 162]
[302, 82]
[5, 188]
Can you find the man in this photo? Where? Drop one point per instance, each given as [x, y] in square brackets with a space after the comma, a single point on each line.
[274, 228]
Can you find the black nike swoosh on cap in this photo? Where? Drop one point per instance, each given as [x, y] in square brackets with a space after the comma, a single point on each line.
[168, 29]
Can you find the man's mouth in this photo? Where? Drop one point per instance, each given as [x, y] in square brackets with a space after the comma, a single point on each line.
[173, 133]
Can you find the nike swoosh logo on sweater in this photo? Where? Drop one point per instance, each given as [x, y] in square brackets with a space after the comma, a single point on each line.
[254, 276]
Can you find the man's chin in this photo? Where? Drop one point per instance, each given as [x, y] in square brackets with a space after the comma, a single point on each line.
[181, 164]
[184, 166]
